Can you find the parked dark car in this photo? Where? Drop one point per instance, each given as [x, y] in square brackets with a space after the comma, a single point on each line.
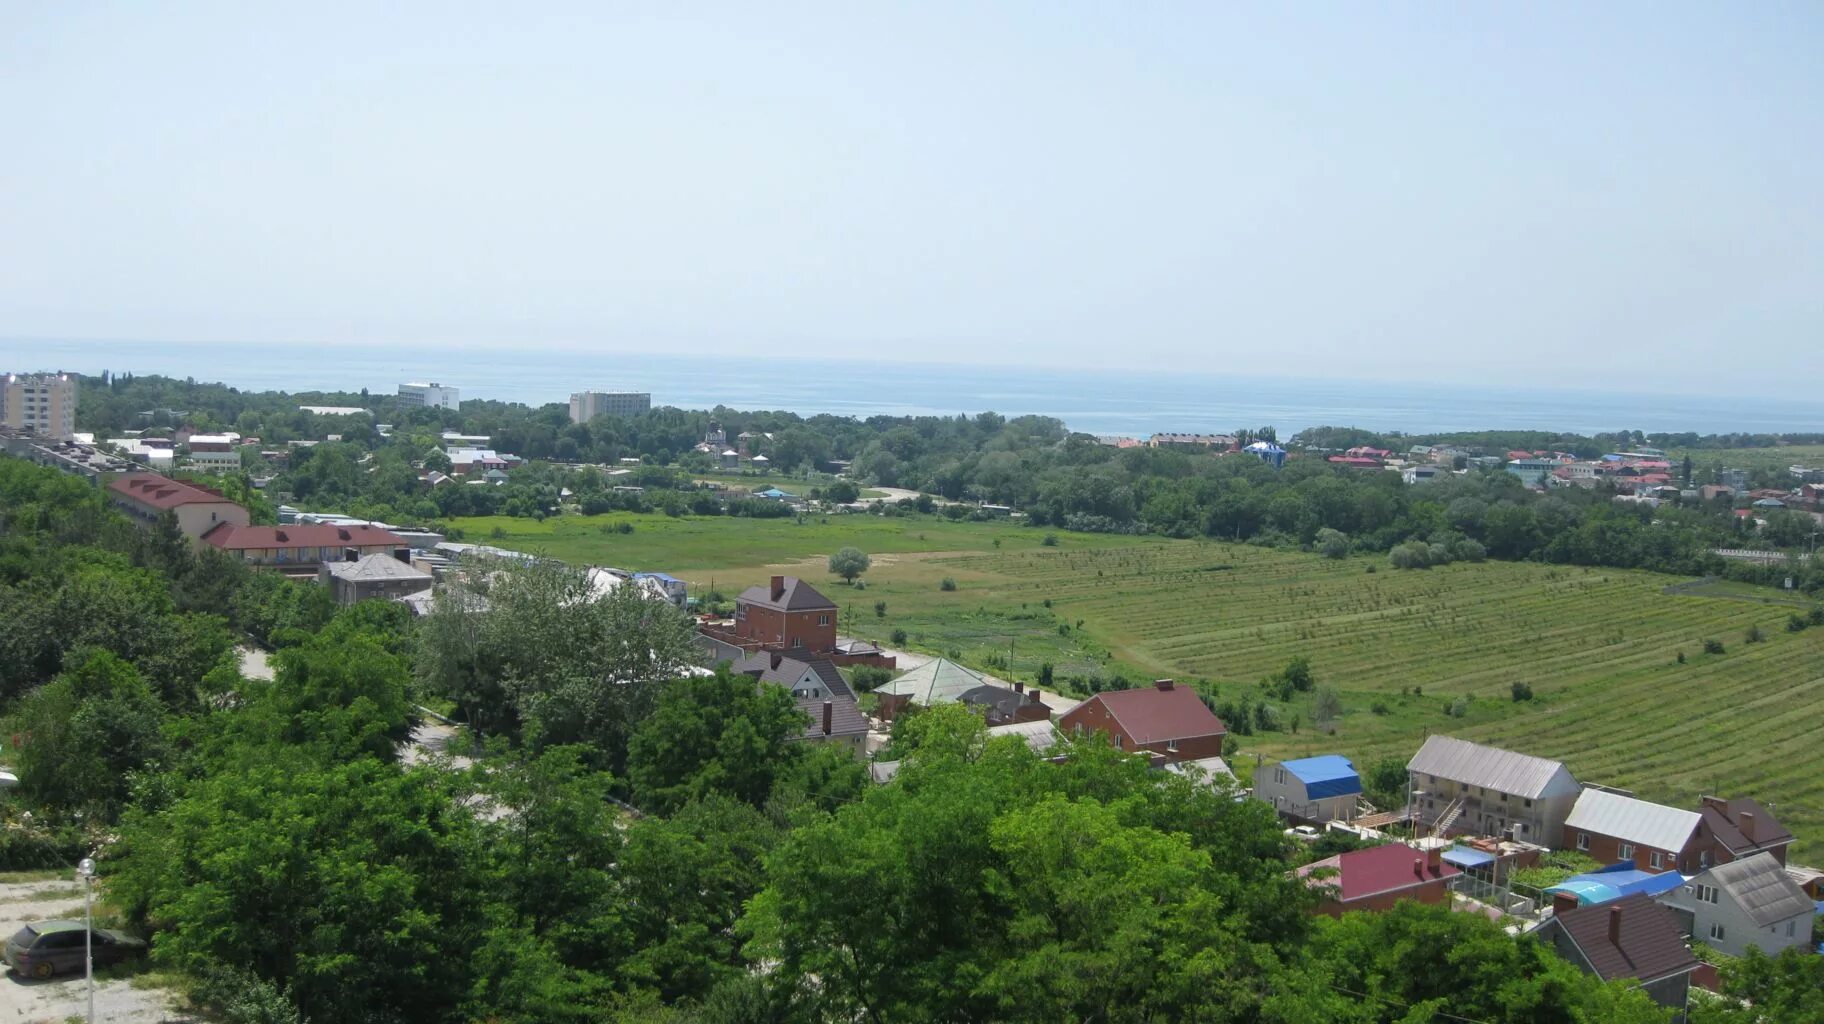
[46, 948]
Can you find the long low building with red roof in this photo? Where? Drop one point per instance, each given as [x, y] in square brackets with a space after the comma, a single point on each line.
[302, 548]
[144, 497]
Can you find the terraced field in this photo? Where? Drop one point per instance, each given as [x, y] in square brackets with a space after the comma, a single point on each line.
[1599, 647]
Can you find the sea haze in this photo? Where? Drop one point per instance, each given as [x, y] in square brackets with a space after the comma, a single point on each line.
[1133, 402]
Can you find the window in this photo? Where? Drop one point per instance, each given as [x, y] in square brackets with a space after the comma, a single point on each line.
[1658, 859]
[1583, 840]
[1529, 801]
[1279, 776]
[1503, 797]
[1626, 852]
[1706, 893]
[823, 620]
[1119, 740]
[797, 641]
[1789, 929]
[1171, 746]
[1716, 931]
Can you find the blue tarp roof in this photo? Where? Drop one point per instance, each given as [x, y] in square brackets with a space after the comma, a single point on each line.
[660, 576]
[1328, 775]
[1465, 857]
[1616, 881]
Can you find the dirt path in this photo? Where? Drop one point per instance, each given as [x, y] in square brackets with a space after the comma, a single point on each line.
[53, 1001]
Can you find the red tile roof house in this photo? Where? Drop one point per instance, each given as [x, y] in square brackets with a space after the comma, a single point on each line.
[146, 496]
[301, 549]
[1629, 939]
[1162, 718]
[788, 615]
[1379, 877]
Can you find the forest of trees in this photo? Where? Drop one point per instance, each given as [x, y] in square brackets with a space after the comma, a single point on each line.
[632, 846]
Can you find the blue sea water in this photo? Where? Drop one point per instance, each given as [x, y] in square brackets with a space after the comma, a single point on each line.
[1133, 402]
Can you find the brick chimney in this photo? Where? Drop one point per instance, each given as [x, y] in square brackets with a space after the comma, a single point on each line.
[777, 658]
[1563, 902]
[778, 587]
[1747, 826]
[1033, 695]
[1434, 859]
[1163, 684]
[1615, 926]
[1715, 803]
[1418, 867]
[1018, 687]
[829, 716]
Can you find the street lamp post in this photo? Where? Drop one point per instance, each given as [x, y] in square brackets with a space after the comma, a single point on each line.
[86, 868]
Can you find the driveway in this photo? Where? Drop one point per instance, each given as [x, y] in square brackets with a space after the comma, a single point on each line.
[26, 1001]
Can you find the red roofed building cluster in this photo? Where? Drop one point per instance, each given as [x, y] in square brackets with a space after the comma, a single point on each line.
[1379, 877]
[302, 547]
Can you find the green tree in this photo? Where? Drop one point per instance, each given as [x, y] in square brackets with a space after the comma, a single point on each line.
[1297, 673]
[721, 734]
[1332, 543]
[89, 731]
[842, 492]
[849, 563]
[1762, 989]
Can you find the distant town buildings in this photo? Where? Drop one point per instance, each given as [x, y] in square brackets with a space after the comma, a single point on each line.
[72, 457]
[334, 410]
[587, 405]
[1192, 442]
[214, 453]
[419, 395]
[44, 403]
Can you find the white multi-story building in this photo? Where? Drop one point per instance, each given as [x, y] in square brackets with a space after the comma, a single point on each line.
[587, 405]
[44, 403]
[433, 396]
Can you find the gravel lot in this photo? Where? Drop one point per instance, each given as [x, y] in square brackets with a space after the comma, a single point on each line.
[24, 1001]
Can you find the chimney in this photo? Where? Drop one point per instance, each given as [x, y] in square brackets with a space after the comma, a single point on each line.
[1715, 803]
[778, 587]
[1563, 903]
[1434, 859]
[403, 555]
[1019, 687]
[1615, 926]
[1033, 695]
[777, 658]
[1163, 684]
[829, 715]
[1418, 867]
[351, 554]
[1747, 826]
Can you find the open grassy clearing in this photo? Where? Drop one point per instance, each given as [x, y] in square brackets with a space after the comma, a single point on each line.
[1752, 458]
[1598, 646]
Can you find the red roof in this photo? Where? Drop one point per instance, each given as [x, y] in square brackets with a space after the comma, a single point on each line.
[1161, 712]
[161, 492]
[1353, 460]
[231, 537]
[1378, 869]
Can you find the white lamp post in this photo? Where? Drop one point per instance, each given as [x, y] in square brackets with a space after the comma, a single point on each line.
[86, 868]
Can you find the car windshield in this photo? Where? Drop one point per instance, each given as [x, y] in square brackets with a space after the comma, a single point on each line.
[25, 935]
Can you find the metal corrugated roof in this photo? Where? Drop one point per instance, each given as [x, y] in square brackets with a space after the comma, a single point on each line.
[1763, 888]
[1635, 821]
[938, 681]
[1492, 768]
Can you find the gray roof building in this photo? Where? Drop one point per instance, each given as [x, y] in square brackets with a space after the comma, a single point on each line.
[1762, 888]
[819, 690]
[1635, 821]
[1493, 768]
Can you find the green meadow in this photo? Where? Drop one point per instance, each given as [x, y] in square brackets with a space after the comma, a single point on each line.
[1409, 652]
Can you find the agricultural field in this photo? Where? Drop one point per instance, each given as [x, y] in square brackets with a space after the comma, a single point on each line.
[1408, 652]
[1752, 458]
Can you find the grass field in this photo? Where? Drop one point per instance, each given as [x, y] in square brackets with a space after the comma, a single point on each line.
[1598, 646]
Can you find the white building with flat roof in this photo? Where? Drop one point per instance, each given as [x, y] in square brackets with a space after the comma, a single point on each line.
[430, 396]
[587, 405]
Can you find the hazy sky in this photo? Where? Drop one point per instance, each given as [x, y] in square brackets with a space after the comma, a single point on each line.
[1582, 193]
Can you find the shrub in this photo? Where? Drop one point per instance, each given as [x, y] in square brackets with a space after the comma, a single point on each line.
[498, 533]
[1681, 657]
[1380, 707]
[1332, 543]
[1713, 646]
[880, 609]
[1410, 555]
[1522, 692]
[1458, 708]
[1050, 540]
[867, 677]
[1754, 635]
[1816, 616]
[1440, 554]
[899, 638]
[1045, 675]
[1795, 623]
[1469, 551]
[947, 585]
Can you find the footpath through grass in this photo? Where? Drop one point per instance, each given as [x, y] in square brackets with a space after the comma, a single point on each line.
[1598, 647]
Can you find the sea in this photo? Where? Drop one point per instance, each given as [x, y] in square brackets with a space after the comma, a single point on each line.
[1132, 402]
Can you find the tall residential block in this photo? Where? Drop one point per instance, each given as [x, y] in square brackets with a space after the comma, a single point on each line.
[44, 403]
[587, 405]
[433, 396]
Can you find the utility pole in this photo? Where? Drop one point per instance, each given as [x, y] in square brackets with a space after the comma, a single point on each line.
[86, 868]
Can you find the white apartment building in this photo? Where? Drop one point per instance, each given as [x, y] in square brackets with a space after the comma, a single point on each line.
[587, 405]
[433, 396]
[44, 403]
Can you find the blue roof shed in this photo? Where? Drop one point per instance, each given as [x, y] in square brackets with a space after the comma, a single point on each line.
[1325, 776]
[1618, 880]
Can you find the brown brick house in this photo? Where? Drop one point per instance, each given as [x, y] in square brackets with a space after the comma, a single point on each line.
[1741, 828]
[1162, 718]
[788, 614]
[1613, 827]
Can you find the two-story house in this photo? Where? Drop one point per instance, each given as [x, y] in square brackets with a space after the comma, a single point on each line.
[301, 549]
[1163, 718]
[1612, 827]
[1745, 903]
[1312, 789]
[1630, 939]
[820, 693]
[1742, 828]
[787, 615]
[1461, 786]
